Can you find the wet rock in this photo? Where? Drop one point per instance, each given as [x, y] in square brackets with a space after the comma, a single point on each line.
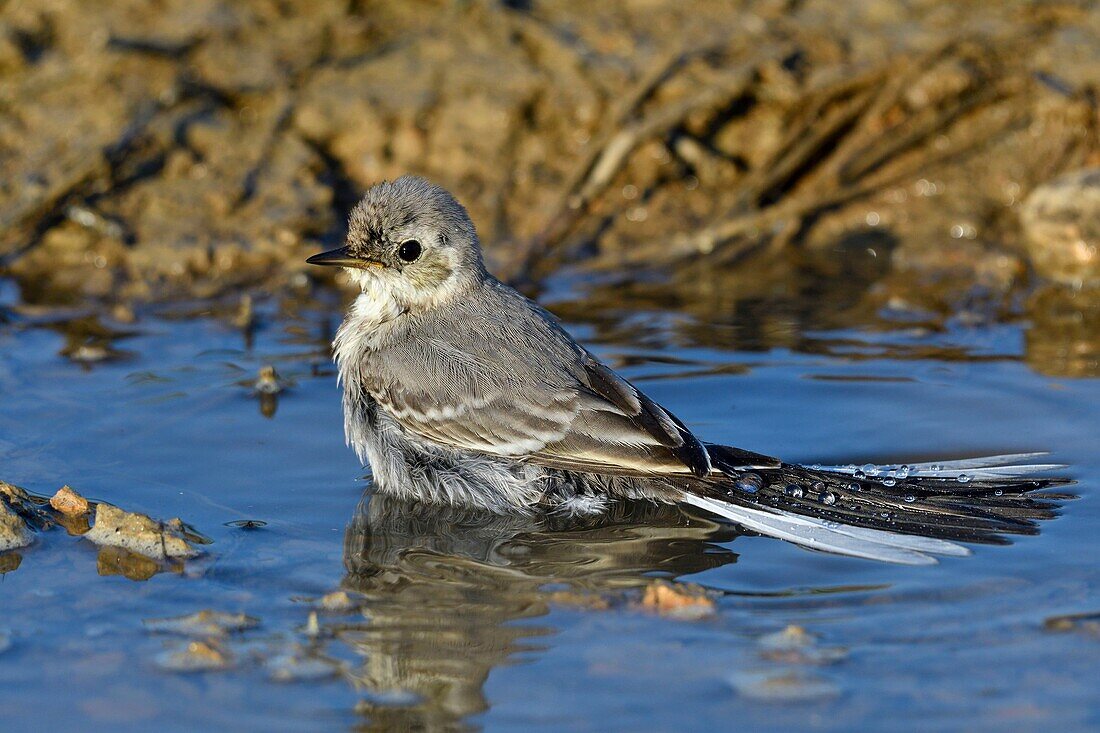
[195, 656]
[14, 530]
[1062, 221]
[203, 624]
[139, 533]
[69, 502]
[680, 601]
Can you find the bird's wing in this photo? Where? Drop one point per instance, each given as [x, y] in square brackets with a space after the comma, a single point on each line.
[584, 419]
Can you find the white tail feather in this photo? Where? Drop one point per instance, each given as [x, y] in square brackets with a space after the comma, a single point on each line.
[987, 467]
[819, 534]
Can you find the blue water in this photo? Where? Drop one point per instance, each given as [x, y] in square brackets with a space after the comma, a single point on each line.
[502, 625]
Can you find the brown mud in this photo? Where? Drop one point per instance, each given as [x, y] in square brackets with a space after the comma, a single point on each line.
[204, 147]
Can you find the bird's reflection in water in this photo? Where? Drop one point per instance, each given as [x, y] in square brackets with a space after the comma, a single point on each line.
[442, 586]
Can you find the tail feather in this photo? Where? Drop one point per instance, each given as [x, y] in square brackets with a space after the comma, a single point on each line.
[897, 513]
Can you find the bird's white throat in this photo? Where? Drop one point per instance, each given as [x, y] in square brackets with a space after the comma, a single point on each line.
[368, 319]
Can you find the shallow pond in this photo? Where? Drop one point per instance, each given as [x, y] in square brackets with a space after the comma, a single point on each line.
[457, 621]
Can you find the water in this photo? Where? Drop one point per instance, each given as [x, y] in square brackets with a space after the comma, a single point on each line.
[506, 624]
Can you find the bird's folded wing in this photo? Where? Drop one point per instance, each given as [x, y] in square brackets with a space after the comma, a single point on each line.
[594, 421]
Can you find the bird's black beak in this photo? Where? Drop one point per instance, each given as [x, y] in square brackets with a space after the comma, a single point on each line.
[341, 257]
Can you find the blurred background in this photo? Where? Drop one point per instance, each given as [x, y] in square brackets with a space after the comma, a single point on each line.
[812, 161]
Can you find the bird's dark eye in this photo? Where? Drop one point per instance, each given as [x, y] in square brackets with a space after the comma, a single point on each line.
[409, 251]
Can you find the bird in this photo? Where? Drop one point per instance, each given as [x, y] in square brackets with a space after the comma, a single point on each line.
[460, 391]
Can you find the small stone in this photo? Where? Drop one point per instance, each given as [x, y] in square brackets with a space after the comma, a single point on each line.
[339, 602]
[69, 503]
[681, 601]
[268, 381]
[312, 628]
[795, 645]
[204, 623]
[139, 533]
[195, 656]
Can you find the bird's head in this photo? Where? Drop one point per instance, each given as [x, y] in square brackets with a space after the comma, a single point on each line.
[411, 241]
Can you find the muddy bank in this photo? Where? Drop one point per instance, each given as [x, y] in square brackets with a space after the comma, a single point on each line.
[196, 148]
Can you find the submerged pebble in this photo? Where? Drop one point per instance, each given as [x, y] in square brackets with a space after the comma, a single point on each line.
[795, 645]
[195, 656]
[204, 623]
[783, 686]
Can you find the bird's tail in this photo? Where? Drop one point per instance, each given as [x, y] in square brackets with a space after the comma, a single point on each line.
[897, 513]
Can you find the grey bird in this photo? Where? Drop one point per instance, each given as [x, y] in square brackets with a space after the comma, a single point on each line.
[460, 391]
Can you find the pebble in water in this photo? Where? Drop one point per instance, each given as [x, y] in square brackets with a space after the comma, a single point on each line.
[750, 483]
